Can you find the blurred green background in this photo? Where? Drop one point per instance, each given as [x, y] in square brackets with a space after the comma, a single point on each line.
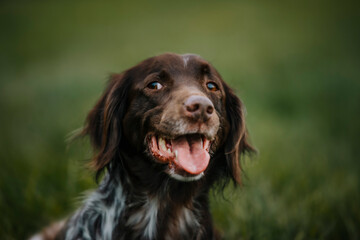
[295, 65]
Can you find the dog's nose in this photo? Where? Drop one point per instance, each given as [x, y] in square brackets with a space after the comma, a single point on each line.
[198, 108]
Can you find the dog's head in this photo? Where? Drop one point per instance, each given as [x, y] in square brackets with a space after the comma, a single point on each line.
[171, 114]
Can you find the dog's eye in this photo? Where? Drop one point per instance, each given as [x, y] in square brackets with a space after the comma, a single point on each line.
[212, 86]
[155, 85]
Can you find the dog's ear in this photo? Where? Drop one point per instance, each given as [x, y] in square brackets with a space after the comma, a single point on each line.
[236, 143]
[103, 123]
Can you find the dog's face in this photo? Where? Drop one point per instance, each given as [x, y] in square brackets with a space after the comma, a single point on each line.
[178, 105]
[177, 113]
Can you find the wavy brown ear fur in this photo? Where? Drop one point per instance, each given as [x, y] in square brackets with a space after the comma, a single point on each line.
[103, 123]
[236, 143]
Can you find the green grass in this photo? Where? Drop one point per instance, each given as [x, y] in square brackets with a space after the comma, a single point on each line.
[294, 64]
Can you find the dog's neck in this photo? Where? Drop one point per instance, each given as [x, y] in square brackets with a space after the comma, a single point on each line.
[111, 211]
[149, 180]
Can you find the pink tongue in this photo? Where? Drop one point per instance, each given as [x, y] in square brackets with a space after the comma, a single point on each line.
[191, 156]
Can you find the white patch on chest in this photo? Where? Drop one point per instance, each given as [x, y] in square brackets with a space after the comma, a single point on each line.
[113, 212]
[187, 219]
[79, 224]
[109, 216]
[145, 219]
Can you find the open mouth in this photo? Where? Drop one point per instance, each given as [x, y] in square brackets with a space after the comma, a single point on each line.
[187, 155]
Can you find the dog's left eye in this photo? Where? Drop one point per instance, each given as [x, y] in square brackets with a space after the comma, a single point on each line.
[155, 85]
[212, 86]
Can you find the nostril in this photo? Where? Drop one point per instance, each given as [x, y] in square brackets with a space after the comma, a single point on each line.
[193, 107]
[210, 110]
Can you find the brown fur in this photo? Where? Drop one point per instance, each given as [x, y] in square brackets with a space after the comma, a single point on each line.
[121, 124]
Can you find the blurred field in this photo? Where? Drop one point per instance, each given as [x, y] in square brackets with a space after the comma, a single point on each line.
[295, 64]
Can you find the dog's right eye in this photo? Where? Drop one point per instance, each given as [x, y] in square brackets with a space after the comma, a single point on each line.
[155, 85]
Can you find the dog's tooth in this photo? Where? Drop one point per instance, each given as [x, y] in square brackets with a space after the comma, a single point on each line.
[169, 150]
[202, 142]
[176, 156]
[162, 144]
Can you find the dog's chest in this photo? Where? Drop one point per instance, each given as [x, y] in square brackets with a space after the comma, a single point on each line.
[157, 219]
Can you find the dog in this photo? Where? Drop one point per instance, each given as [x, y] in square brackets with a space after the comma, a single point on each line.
[165, 132]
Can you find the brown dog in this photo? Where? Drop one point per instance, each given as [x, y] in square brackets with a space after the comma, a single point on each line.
[165, 132]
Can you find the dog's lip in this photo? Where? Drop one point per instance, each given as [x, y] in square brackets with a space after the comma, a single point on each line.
[155, 144]
[193, 156]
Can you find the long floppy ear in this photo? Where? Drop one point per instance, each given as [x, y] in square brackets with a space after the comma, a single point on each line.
[236, 143]
[103, 123]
